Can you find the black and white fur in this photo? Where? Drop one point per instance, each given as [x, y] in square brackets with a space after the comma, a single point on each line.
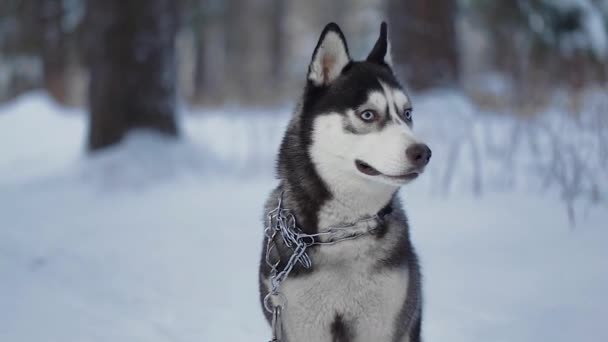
[336, 167]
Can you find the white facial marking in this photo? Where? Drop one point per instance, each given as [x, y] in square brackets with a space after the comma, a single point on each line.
[401, 100]
[397, 101]
[377, 100]
[391, 102]
[335, 150]
[384, 150]
[329, 60]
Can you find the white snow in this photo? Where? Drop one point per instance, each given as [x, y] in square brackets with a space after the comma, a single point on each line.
[158, 240]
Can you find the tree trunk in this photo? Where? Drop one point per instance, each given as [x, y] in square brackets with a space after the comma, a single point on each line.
[200, 62]
[209, 54]
[53, 48]
[248, 50]
[424, 42]
[277, 32]
[131, 56]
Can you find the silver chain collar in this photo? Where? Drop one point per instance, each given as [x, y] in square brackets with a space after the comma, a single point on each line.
[282, 221]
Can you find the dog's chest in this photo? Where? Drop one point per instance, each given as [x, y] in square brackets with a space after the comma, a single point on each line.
[364, 299]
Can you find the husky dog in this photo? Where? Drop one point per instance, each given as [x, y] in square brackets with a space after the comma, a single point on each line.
[346, 151]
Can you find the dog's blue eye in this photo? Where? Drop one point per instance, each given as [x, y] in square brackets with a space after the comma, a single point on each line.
[368, 115]
[407, 114]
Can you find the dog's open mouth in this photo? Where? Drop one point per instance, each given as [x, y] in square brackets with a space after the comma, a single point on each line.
[367, 169]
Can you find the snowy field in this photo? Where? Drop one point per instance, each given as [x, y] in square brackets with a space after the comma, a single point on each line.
[159, 240]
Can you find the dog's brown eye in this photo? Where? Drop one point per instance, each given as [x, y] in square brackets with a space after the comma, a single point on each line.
[368, 115]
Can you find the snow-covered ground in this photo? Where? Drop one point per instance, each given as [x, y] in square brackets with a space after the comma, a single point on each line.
[158, 240]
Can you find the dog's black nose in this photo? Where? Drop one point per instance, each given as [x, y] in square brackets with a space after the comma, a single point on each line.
[418, 154]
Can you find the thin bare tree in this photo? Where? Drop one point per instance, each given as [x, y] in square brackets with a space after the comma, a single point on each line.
[53, 47]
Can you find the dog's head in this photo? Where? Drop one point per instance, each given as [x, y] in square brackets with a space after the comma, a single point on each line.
[359, 116]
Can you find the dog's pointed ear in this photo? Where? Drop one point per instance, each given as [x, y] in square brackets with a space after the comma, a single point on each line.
[381, 53]
[330, 56]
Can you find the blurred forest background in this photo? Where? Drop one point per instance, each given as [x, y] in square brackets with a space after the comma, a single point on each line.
[254, 52]
[110, 232]
[136, 63]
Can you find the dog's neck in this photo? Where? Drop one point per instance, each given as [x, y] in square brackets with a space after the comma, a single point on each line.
[344, 202]
[353, 198]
